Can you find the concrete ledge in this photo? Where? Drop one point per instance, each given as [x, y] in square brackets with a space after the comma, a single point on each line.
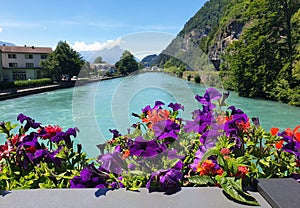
[280, 192]
[187, 197]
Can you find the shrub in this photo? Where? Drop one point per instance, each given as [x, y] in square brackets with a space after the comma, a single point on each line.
[26, 83]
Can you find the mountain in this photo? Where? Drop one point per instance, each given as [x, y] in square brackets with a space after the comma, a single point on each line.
[150, 60]
[111, 55]
[6, 43]
[253, 46]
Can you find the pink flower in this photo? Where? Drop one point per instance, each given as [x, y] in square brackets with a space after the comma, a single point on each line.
[225, 151]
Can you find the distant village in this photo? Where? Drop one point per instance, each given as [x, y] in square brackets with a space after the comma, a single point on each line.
[23, 63]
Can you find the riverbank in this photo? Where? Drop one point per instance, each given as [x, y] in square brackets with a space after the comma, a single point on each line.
[14, 93]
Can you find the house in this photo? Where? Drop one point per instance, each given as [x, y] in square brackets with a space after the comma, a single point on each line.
[21, 62]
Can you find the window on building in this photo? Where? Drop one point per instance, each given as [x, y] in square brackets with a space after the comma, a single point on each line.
[29, 65]
[13, 65]
[43, 56]
[19, 76]
[12, 56]
[28, 56]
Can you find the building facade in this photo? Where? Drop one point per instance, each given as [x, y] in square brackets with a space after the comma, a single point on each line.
[21, 62]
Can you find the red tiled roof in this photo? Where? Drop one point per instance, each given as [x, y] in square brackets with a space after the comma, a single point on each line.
[23, 49]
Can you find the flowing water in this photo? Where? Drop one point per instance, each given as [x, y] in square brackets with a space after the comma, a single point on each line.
[96, 107]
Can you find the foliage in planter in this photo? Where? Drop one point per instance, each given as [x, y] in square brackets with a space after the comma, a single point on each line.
[218, 147]
[38, 156]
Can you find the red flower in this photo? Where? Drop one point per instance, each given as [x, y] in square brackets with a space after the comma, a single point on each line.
[5, 151]
[51, 131]
[294, 133]
[274, 131]
[30, 149]
[279, 144]
[242, 171]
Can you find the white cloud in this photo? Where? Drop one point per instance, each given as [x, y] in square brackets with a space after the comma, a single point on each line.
[20, 24]
[1, 29]
[82, 46]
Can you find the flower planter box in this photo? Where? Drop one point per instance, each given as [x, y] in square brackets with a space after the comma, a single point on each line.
[187, 197]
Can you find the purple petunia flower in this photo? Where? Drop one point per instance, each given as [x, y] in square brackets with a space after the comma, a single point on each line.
[231, 127]
[176, 106]
[90, 177]
[143, 148]
[115, 133]
[200, 123]
[119, 184]
[157, 105]
[255, 121]
[166, 129]
[146, 109]
[292, 145]
[66, 136]
[112, 162]
[235, 111]
[167, 179]
[44, 155]
[30, 123]
[210, 94]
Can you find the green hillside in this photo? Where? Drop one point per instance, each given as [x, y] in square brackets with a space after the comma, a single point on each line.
[253, 44]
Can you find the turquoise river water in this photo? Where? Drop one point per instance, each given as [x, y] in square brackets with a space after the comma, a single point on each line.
[96, 107]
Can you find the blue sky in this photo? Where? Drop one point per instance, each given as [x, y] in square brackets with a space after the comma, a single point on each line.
[90, 22]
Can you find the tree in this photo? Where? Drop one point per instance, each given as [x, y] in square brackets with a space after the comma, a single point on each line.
[261, 61]
[63, 60]
[127, 64]
[99, 60]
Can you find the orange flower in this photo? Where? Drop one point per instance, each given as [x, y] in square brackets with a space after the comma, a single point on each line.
[155, 116]
[126, 154]
[244, 126]
[221, 119]
[206, 167]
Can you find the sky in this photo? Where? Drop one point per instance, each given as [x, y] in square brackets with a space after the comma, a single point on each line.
[92, 24]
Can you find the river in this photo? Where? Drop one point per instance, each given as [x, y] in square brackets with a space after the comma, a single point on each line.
[96, 107]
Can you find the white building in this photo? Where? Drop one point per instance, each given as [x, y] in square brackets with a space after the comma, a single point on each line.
[21, 62]
[104, 67]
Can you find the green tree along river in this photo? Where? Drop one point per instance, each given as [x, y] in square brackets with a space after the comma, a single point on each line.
[97, 107]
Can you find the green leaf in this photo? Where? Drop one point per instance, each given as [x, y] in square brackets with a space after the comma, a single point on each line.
[201, 180]
[233, 188]
[209, 152]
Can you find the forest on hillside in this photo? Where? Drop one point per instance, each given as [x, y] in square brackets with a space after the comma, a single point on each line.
[253, 44]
